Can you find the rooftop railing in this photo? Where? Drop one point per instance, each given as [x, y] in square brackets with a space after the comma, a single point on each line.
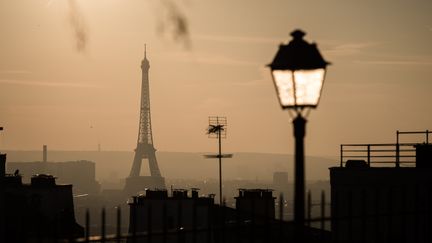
[387, 154]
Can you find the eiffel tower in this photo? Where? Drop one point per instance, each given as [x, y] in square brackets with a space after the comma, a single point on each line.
[145, 148]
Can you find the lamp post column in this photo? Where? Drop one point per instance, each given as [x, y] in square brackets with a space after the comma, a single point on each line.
[299, 177]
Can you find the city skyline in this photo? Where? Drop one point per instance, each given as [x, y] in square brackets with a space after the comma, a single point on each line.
[54, 90]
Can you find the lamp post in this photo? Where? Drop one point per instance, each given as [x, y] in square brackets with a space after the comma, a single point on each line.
[298, 72]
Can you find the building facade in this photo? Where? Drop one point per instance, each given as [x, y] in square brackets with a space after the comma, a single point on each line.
[383, 202]
[41, 210]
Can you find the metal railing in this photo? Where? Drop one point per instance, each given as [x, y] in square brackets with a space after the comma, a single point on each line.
[426, 133]
[240, 227]
[396, 154]
[356, 219]
[226, 225]
[399, 154]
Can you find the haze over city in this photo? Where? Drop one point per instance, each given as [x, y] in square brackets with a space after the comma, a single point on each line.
[195, 121]
[70, 72]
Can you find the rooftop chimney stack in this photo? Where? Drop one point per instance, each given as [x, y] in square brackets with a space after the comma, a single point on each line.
[45, 153]
[195, 192]
[256, 203]
[423, 155]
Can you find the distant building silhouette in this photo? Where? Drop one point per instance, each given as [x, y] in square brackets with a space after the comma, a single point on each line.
[280, 180]
[81, 173]
[384, 198]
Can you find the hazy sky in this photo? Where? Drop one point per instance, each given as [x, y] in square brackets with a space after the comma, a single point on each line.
[70, 72]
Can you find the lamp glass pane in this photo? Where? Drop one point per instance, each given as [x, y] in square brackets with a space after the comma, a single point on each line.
[308, 84]
[284, 86]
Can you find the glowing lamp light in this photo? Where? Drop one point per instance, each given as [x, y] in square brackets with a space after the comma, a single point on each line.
[298, 72]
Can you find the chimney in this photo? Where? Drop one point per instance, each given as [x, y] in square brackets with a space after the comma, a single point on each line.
[195, 192]
[258, 204]
[45, 153]
[423, 155]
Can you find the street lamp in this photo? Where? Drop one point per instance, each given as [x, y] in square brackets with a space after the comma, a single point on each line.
[298, 72]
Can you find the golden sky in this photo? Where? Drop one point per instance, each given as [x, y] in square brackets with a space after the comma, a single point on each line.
[70, 72]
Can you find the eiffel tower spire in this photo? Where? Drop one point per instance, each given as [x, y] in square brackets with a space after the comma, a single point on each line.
[145, 148]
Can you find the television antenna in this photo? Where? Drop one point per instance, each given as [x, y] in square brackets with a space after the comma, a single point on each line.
[217, 128]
